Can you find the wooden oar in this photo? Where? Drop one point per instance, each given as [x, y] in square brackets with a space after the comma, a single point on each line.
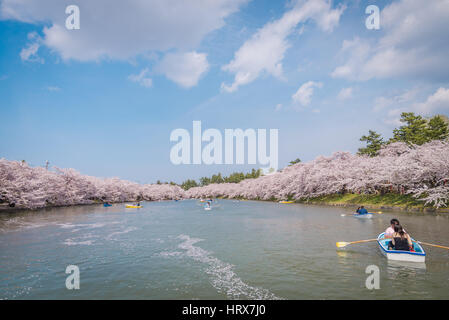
[432, 245]
[343, 244]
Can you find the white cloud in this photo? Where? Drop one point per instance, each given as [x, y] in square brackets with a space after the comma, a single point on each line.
[29, 53]
[185, 69]
[141, 78]
[265, 50]
[53, 88]
[358, 50]
[406, 98]
[278, 107]
[304, 94]
[393, 117]
[414, 44]
[122, 29]
[437, 102]
[345, 94]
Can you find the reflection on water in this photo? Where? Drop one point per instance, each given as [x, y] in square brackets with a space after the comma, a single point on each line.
[398, 266]
[238, 250]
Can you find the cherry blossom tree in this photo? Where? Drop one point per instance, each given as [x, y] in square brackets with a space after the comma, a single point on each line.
[27, 187]
[421, 171]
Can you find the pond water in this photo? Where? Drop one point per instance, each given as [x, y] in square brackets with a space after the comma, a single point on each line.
[237, 250]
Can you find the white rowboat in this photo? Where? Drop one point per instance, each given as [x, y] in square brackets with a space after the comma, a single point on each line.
[419, 255]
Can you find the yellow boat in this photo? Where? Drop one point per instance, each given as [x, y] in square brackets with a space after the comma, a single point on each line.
[133, 206]
[286, 202]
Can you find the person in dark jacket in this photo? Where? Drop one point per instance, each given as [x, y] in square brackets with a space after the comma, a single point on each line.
[362, 210]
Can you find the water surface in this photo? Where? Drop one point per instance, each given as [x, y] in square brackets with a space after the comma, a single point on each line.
[238, 250]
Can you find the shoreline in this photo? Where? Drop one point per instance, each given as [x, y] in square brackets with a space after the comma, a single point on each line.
[443, 211]
[403, 203]
[395, 202]
[391, 202]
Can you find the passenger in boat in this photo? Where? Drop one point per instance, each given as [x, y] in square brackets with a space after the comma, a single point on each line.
[390, 230]
[401, 240]
[362, 210]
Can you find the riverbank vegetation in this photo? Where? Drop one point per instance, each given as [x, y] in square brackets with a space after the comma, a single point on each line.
[235, 177]
[28, 187]
[410, 170]
[415, 131]
[419, 171]
[386, 201]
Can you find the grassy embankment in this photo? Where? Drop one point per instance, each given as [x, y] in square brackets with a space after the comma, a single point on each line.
[373, 202]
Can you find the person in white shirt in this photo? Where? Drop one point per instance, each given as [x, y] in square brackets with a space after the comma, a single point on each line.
[390, 230]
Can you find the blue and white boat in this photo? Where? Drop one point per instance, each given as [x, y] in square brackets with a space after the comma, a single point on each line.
[363, 216]
[419, 255]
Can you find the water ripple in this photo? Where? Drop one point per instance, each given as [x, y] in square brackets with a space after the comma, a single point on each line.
[222, 277]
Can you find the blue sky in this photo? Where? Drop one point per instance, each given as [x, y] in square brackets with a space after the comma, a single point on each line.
[104, 99]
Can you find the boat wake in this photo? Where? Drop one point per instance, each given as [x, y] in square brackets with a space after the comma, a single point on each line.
[19, 224]
[110, 237]
[84, 226]
[222, 277]
[73, 242]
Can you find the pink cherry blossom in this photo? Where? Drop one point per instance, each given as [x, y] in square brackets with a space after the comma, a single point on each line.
[28, 187]
[422, 171]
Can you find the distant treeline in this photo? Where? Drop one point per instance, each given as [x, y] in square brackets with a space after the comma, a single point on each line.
[415, 131]
[235, 177]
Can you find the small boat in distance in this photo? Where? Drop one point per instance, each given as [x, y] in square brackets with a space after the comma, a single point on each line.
[133, 206]
[286, 202]
[107, 205]
[418, 255]
[208, 205]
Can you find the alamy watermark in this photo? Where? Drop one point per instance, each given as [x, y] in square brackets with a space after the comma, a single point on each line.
[373, 20]
[73, 280]
[189, 149]
[373, 280]
[73, 20]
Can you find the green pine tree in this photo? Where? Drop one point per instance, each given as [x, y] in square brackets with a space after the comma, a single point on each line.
[413, 132]
[374, 142]
[297, 160]
[437, 128]
[186, 185]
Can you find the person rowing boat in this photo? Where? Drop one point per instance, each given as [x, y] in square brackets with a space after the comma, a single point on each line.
[390, 230]
[400, 240]
[208, 206]
[361, 210]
